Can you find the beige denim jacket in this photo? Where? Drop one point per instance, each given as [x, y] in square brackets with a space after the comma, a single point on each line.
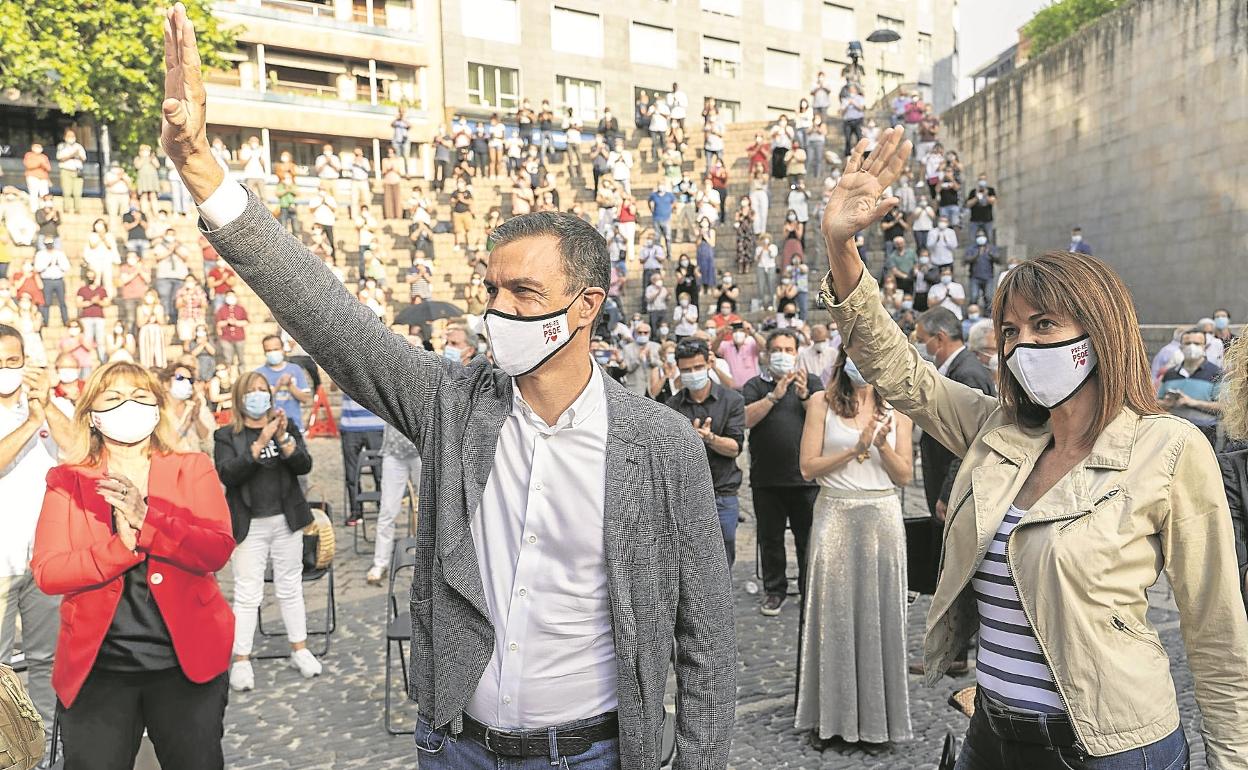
[1149, 497]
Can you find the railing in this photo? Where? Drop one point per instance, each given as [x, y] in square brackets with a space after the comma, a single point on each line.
[300, 6]
[310, 96]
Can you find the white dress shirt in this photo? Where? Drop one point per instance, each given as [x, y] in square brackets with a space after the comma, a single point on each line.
[943, 369]
[538, 537]
[23, 484]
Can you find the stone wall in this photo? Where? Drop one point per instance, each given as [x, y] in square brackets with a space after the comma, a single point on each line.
[1137, 130]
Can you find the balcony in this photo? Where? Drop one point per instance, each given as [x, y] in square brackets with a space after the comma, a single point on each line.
[392, 22]
[299, 95]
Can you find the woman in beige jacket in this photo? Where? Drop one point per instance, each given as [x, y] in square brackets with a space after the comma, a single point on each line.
[1074, 494]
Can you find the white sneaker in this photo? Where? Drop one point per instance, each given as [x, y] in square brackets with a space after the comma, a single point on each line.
[375, 575]
[306, 662]
[242, 678]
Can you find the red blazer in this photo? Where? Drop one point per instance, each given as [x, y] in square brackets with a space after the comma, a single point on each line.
[185, 538]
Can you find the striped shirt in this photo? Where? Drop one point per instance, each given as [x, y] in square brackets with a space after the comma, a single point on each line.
[1009, 666]
[357, 419]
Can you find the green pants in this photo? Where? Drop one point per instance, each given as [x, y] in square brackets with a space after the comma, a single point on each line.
[71, 191]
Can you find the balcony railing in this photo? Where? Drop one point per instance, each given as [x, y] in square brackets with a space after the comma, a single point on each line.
[302, 94]
[300, 6]
[295, 10]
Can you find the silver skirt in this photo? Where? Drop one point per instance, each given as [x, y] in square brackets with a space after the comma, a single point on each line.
[853, 679]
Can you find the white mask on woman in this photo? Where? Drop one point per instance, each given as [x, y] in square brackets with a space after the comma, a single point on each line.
[127, 423]
[1051, 373]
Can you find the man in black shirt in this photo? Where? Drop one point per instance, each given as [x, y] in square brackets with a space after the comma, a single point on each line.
[775, 413]
[718, 415]
[980, 202]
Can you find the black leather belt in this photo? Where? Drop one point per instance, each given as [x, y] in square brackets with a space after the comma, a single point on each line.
[570, 741]
[1052, 730]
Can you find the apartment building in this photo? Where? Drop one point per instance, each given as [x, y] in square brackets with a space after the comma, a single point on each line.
[309, 71]
[753, 57]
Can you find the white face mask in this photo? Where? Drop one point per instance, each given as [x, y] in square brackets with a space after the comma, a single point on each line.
[67, 376]
[127, 423]
[10, 381]
[182, 390]
[738, 338]
[523, 344]
[1051, 374]
[782, 363]
[1193, 352]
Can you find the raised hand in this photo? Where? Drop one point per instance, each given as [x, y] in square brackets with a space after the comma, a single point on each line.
[703, 427]
[856, 201]
[184, 112]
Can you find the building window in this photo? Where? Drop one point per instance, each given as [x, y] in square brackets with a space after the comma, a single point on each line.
[576, 32]
[651, 45]
[583, 97]
[925, 51]
[722, 7]
[784, 14]
[890, 80]
[497, 20]
[896, 25]
[721, 58]
[294, 73]
[782, 69]
[839, 23]
[729, 111]
[490, 86]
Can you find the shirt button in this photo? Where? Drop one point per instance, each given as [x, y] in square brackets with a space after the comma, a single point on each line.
[513, 646]
[156, 578]
[538, 486]
[524, 592]
[506, 699]
[532, 538]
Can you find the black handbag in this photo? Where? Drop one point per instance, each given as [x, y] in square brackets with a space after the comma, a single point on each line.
[949, 757]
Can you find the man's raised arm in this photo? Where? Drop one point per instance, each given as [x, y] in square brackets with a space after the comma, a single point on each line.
[379, 369]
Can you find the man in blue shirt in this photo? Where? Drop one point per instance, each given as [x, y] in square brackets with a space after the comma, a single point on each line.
[661, 203]
[358, 429]
[1077, 243]
[289, 381]
[981, 258]
[1190, 391]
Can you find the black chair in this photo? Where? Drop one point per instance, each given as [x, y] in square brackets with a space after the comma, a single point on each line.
[310, 575]
[369, 500]
[398, 628]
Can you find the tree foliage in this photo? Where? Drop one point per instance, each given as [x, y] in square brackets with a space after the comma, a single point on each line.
[101, 58]
[1057, 22]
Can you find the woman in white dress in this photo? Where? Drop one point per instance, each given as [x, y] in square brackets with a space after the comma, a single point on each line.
[852, 675]
[102, 256]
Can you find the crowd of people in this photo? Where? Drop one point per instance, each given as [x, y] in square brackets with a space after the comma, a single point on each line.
[111, 413]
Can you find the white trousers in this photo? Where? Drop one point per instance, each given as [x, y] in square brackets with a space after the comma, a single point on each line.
[269, 537]
[395, 473]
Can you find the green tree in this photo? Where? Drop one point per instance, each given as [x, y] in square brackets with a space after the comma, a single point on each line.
[101, 58]
[1062, 19]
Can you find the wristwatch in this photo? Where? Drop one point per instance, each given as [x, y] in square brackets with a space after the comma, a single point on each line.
[771, 396]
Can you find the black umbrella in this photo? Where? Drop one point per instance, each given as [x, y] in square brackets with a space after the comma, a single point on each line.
[883, 36]
[425, 312]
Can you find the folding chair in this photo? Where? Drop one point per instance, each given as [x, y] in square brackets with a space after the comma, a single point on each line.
[331, 604]
[370, 465]
[398, 628]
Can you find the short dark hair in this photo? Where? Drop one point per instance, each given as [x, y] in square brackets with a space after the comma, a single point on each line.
[941, 319]
[586, 261]
[777, 333]
[1196, 330]
[268, 337]
[9, 331]
[692, 348]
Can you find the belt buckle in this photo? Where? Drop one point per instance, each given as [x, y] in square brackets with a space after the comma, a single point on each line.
[488, 748]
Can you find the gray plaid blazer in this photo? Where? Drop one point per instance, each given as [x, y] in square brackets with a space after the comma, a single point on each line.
[667, 573]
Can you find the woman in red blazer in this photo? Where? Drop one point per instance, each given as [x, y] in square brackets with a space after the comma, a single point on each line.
[131, 533]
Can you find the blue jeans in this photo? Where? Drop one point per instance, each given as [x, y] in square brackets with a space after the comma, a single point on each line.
[436, 749]
[985, 750]
[981, 287]
[951, 213]
[54, 294]
[663, 229]
[728, 509]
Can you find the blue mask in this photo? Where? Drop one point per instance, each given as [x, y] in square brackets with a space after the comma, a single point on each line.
[256, 403]
[695, 380]
[1221, 322]
[274, 357]
[854, 375]
[452, 354]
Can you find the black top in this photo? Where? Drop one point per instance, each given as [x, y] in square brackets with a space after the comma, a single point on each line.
[138, 639]
[948, 196]
[1234, 466]
[727, 413]
[265, 485]
[134, 223]
[983, 212]
[775, 442]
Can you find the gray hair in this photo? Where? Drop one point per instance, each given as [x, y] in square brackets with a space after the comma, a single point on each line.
[586, 262]
[941, 319]
[978, 336]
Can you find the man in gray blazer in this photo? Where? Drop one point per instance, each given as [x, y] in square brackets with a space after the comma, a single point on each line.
[568, 542]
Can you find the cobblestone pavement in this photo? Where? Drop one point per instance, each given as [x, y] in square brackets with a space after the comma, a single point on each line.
[335, 721]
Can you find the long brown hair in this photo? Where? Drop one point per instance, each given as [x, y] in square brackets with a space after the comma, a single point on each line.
[88, 448]
[842, 396]
[241, 386]
[1087, 290]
